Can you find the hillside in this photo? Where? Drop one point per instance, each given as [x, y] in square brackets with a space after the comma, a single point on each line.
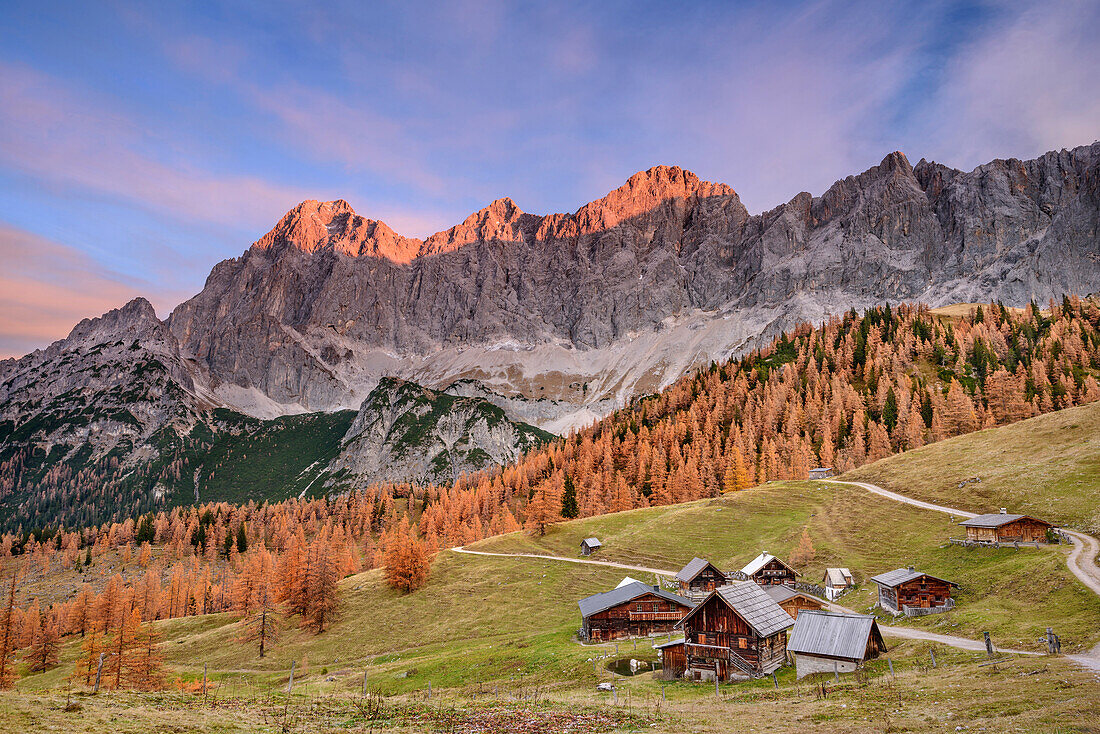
[405, 432]
[1046, 466]
[485, 629]
[854, 390]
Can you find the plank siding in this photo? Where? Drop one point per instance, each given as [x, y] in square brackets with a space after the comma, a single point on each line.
[774, 573]
[647, 615]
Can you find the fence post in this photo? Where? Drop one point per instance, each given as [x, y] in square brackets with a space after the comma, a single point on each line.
[988, 645]
[775, 681]
[891, 668]
[663, 692]
[716, 681]
[99, 671]
[364, 682]
[290, 683]
[429, 690]
[933, 654]
[204, 682]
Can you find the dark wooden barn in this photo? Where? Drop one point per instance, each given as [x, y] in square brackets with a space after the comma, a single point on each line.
[737, 632]
[699, 577]
[767, 570]
[1002, 527]
[907, 587]
[633, 609]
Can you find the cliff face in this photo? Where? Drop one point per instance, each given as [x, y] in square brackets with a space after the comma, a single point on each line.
[564, 317]
[405, 432]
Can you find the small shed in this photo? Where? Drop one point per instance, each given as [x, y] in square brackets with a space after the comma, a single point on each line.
[1002, 527]
[767, 569]
[831, 642]
[633, 609]
[793, 602]
[699, 577]
[822, 472]
[673, 660]
[906, 588]
[590, 546]
[837, 580]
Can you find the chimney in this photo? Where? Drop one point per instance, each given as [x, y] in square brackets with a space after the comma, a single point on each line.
[912, 570]
[1004, 510]
[656, 588]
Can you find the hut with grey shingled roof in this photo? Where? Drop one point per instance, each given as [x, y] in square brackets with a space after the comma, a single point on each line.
[832, 642]
[630, 610]
[737, 632]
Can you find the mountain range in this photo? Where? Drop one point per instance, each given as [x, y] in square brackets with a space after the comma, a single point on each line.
[555, 320]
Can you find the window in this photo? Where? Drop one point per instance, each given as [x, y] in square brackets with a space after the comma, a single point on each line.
[742, 643]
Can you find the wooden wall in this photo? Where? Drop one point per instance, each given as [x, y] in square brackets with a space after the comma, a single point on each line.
[646, 615]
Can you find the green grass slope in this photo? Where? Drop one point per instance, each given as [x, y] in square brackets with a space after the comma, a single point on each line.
[1047, 466]
[1013, 594]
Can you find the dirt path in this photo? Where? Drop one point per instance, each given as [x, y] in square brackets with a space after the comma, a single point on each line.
[1081, 560]
[611, 564]
[912, 634]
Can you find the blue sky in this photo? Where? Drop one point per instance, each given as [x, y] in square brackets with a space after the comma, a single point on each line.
[140, 143]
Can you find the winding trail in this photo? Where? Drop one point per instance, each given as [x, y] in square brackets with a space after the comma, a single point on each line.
[961, 643]
[1081, 561]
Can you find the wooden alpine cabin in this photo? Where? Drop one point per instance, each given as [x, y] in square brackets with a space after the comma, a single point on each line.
[737, 632]
[699, 577]
[766, 570]
[906, 588]
[1001, 527]
[792, 602]
[822, 472]
[590, 546]
[631, 609]
[830, 642]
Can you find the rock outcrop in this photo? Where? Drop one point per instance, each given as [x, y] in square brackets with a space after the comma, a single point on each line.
[405, 432]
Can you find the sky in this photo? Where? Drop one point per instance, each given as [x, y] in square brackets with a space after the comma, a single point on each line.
[141, 143]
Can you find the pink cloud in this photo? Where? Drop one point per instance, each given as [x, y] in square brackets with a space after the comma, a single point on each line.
[65, 140]
[47, 287]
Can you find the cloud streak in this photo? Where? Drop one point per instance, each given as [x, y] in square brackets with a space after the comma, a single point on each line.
[46, 288]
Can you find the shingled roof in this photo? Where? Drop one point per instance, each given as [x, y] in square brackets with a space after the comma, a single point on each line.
[899, 576]
[762, 560]
[693, 568]
[996, 520]
[606, 599]
[753, 605]
[833, 635]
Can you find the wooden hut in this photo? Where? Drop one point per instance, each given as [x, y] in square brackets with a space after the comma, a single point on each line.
[837, 580]
[766, 570]
[822, 472]
[907, 587]
[590, 546]
[738, 631]
[831, 642]
[633, 609]
[792, 602]
[1002, 527]
[699, 577]
[672, 657]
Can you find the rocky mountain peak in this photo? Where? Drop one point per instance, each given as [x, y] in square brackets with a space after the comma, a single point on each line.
[315, 226]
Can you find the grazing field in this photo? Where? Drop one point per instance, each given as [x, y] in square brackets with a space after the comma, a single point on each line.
[493, 638]
[1048, 466]
[1013, 594]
